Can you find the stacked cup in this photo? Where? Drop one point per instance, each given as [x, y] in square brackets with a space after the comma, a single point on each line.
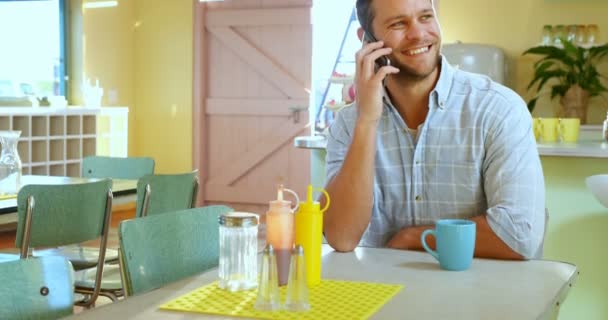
[550, 130]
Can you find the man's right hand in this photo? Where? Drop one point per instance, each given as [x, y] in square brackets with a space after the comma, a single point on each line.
[368, 81]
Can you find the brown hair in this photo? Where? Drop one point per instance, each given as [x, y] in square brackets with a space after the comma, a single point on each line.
[365, 14]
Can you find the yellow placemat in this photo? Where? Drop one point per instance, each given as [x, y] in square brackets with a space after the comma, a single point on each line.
[8, 196]
[331, 299]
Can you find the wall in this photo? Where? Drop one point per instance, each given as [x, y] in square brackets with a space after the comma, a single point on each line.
[515, 26]
[577, 233]
[108, 54]
[163, 83]
[141, 52]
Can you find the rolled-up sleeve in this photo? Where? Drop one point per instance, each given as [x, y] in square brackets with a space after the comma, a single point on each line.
[513, 180]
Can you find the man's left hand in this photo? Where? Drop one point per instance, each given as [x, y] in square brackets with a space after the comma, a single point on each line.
[408, 238]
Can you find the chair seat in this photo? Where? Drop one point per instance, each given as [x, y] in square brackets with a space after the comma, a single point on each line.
[110, 279]
[80, 257]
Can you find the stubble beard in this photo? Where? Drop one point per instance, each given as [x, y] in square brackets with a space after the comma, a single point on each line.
[407, 73]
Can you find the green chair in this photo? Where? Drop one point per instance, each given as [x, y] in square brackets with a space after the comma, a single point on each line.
[164, 248]
[166, 192]
[130, 168]
[40, 288]
[60, 215]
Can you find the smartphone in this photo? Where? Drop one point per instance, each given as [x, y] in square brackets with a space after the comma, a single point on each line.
[383, 60]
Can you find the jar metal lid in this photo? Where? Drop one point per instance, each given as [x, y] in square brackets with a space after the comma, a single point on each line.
[239, 219]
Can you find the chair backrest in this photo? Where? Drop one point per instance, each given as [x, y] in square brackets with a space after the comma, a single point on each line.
[116, 167]
[163, 193]
[58, 215]
[40, 288]
[63, 214]
[160, 249]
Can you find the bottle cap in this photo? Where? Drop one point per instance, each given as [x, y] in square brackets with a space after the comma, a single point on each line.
[311, 206]
[280, 202]
[238, 219]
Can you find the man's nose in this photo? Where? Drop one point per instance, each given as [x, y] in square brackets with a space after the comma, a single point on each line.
[415, 31]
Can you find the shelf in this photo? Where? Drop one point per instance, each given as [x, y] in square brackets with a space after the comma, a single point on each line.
[54, 140]
[57, 126]
[39, 126]
[73, 125]
[5, 123]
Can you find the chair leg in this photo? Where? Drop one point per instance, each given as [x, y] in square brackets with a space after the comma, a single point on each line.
[111, 295]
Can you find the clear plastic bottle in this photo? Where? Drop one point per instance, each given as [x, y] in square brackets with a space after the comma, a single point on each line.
[280, 231]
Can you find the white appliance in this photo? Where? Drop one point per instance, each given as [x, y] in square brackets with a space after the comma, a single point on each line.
[477, 58]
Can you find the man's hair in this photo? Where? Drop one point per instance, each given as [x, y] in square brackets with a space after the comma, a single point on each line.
[365, 14]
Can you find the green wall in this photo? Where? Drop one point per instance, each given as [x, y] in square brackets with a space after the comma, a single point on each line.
[578, 233]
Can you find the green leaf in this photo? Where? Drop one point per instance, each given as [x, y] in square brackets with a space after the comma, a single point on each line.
[568, 66]
[532, 104]
[559, 90]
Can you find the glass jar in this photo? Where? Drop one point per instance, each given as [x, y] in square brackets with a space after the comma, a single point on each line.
[593, 34]
[238, 267]
[571, 33]
[559, 32]
[547, 35]
[581, 35]
[10, 163]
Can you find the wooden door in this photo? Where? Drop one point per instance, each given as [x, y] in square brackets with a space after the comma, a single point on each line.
[254, 66]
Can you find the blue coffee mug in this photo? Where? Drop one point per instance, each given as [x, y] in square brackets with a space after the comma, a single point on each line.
[455, 241]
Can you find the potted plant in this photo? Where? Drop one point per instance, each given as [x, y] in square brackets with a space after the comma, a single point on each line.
[574, 69]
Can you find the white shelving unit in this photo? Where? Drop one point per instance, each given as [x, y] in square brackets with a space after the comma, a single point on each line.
[54, 140]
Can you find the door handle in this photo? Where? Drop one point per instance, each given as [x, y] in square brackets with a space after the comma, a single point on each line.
[294, 112]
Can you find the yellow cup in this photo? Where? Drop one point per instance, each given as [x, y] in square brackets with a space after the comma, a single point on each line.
[569, 129]
[536, 128]
[549, 129]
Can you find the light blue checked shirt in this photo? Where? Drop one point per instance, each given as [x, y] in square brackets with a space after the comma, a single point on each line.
[475, 154]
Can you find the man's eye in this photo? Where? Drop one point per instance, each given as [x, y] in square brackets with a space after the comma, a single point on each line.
[426, 17]
[397, 24]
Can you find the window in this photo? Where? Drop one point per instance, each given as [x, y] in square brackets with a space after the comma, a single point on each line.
[32, 59]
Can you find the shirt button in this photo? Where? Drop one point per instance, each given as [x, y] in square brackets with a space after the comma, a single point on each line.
[418, 198]
[441, 103]
[417, 162]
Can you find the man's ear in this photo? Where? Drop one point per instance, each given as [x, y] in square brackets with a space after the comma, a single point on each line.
[360, 33]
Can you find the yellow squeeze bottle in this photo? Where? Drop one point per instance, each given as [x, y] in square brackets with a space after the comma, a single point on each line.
[309, 234]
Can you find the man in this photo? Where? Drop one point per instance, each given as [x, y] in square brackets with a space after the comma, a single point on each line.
[427, 141]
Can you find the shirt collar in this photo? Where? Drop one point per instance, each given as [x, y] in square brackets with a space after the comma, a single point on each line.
[443, 85]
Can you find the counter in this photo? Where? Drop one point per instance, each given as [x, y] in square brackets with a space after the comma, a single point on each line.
[590, 144]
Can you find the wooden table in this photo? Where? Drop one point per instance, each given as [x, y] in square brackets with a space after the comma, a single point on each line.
[489, 289]
[124, 191]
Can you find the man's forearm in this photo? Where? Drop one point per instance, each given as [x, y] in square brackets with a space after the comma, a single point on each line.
[487, 243]
[351, 191]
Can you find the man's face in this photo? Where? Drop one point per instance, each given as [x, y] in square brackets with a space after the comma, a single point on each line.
[412, 30]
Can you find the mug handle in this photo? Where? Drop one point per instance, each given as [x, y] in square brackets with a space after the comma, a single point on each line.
[425, 246]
